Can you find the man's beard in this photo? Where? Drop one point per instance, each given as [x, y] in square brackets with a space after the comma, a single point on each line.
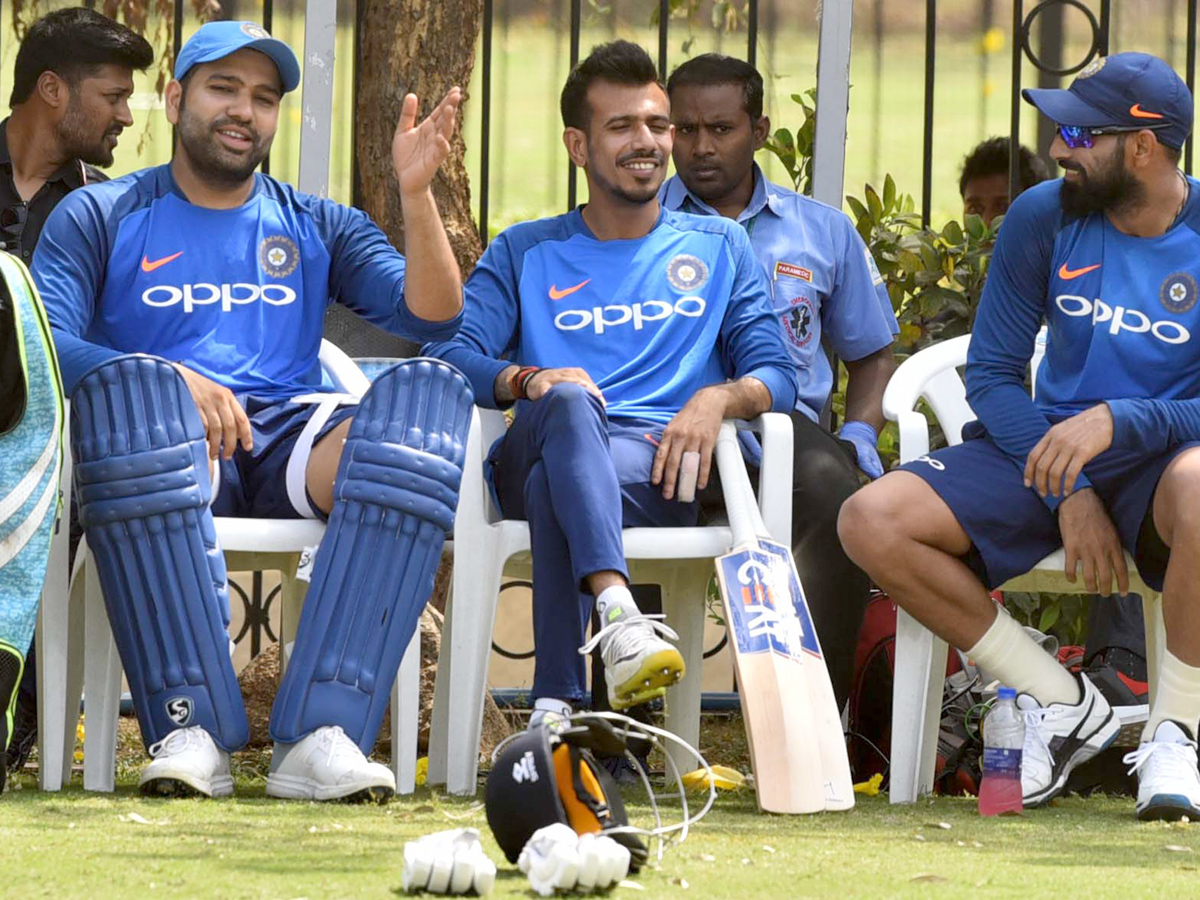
[76, 140]
[637, 197]
[209, 159]
[1110, 187]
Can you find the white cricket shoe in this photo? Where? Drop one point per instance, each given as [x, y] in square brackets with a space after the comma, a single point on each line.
[187, 762]
[1060, 737]
[638, 664]
[448, 862]
[1168, 782]
[556, 858]
[327, 765]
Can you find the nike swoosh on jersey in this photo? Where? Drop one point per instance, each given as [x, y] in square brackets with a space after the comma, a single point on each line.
[149, 266]
[1137, 111]
[1067, 274]
[556, 294]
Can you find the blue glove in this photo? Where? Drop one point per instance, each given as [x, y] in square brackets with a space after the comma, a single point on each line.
[866, 446]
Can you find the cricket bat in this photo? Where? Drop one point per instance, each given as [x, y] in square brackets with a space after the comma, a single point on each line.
[797, 749]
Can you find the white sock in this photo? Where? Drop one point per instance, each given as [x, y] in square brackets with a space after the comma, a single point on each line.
[552, 704]
[1176, 696]
[615, 597]
[1006, 652]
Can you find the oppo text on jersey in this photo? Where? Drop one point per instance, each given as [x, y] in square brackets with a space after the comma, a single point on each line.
[1121, 318]
[228, 295]
[602, 317]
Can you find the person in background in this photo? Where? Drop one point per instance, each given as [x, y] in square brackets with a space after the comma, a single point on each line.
[983, 183]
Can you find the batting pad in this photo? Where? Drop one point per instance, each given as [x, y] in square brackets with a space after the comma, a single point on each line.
[141, 478]
[394, 500]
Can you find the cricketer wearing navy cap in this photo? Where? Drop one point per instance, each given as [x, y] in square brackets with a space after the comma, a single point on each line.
[216, 40]
[1103, 461]
[1121, 93]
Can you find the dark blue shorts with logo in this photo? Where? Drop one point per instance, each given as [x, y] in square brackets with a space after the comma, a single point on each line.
[1011, 528]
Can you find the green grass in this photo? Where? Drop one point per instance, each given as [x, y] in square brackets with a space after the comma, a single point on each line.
[75, 844]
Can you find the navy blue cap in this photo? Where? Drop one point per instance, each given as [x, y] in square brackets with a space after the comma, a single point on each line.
[1126, 90]
[216, 40]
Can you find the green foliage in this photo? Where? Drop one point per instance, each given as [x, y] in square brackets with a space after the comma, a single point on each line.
[1063, 615]
[794, 149]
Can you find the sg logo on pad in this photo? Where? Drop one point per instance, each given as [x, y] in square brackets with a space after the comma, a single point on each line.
[179, 710]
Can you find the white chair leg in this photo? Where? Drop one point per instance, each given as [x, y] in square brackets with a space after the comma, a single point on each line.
[291, 594]
[52, 639]
[476, 588]
[102, 690]
[683, 593]
[439, 720]
[916, 708]
[406, 702]
[76, 633]
[1156, 639]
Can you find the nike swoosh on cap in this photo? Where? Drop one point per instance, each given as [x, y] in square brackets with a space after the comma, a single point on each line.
[556, 294]
[1067, 274]
[1137, 112]
[149, 266]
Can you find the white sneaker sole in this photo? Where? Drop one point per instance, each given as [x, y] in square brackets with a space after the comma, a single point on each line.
[181, 784]
[297, 787]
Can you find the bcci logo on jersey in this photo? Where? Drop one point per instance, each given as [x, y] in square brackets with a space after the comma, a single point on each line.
[1178, 293]
[772, 616]
[687, 273]
[278, 255]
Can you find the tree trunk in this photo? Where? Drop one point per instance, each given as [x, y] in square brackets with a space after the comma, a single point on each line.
[426, 47]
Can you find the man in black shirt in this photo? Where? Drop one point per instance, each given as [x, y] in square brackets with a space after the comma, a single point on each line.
[70, 101]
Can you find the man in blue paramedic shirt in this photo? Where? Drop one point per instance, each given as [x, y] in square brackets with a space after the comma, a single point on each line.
[825, 289]
[619, 327]
[224, 275]
[1104, 461]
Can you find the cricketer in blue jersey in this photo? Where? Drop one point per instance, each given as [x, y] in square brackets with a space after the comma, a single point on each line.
[825, 288]
[187, 304]
[1104, 460]
[617, 327]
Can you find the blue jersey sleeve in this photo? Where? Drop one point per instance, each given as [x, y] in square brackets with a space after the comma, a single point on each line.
[1010, 313]
[1153, 426]
[858, 317]
[751, 342]
[366, 273]
[491, 317]
[68, 269]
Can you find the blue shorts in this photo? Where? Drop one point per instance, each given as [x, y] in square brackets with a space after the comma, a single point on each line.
[268, 482]
[1011, 529]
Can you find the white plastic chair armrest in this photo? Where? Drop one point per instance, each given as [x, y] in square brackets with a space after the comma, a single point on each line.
[907, 382]
[775, 475]
[347, 377]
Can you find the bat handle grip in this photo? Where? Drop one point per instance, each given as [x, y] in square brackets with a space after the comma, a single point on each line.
[745, 520]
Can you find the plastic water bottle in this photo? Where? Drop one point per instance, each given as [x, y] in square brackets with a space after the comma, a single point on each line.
[1003, 737]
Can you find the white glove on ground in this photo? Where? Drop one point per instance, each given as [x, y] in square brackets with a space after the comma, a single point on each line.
[448, 862]
[556, 858]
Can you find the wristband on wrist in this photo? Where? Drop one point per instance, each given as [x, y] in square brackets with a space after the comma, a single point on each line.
[520, 381]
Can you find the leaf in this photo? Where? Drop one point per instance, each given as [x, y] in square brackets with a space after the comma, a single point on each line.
[926, 879]
[953, 232]
[889, 192]
[874, 204]
[1049, 617]
[856, 206]
[975, 227]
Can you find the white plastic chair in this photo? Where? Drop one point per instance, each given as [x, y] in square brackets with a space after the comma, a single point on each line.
[932, 375]
[75, 616]
[487, 547]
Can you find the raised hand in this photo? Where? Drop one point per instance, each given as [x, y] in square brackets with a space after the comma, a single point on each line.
[418, 150]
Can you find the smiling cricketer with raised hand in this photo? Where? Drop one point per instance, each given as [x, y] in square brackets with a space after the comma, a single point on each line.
[626, 333]
[1105, 460]
[187, 303]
